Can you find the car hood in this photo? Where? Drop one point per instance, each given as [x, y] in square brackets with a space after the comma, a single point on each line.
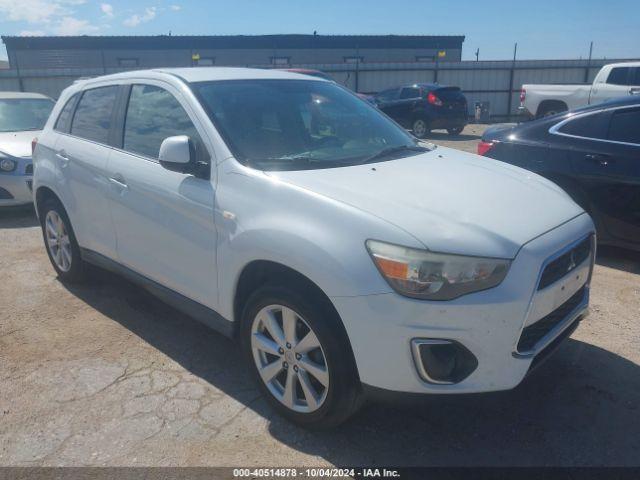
[17, 144]
[449, 200]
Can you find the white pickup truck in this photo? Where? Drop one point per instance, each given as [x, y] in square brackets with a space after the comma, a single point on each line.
[613, 80]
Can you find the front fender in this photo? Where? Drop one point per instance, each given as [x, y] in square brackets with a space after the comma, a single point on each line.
[320, 238]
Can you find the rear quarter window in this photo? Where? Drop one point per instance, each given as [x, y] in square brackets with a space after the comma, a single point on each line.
[63, 122]
[587, 126]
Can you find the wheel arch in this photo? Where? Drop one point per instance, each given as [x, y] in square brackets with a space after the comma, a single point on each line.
[44, 193]
[547, 105]
[258, 273]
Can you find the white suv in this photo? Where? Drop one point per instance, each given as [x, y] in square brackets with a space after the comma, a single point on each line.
[344, 255]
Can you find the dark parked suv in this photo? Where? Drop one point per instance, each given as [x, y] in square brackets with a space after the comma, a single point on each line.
[424, 107]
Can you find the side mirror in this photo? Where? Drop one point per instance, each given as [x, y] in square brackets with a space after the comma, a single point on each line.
[178, 154]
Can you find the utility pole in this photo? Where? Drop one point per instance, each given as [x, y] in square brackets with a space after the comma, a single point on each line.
[357, 68]
[586, 70]
[511, 74]
[477, 54]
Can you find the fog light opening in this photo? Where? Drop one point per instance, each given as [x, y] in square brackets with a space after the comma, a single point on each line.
[441, 361]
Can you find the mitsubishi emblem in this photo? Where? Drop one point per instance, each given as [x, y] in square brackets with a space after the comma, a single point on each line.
[572, 261]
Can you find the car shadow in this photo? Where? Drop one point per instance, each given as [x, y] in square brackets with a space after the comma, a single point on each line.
[18, 217]
[618, 258]
[581, 407]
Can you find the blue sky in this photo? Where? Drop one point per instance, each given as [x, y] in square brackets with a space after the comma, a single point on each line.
[542, 28]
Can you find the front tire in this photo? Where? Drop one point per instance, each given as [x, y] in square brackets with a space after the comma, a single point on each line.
[60, 241]
[420, 128]
[299, 358]
[455, 130]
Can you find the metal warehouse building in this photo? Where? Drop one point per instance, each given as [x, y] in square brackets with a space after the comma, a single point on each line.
[122, 52]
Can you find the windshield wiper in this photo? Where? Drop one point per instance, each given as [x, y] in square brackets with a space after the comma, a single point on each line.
[303, 158]
[385, 152]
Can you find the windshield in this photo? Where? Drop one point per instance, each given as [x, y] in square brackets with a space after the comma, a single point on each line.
[301, 124]
[20, 114]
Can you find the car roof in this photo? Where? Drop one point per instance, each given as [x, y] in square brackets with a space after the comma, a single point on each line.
[12, 95]
[302, 70]
[624, 64]
[628, 100]
[430, 86]
[204, 74]
[542, 124]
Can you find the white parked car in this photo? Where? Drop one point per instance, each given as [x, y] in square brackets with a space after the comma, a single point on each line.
[22, 115]
[282, 210]
[613, 80]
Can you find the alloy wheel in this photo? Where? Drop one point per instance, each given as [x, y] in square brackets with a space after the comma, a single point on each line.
[289, 358]
[419, 128]
[58, 241]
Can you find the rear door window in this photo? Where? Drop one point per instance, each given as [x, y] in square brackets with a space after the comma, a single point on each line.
[92, 119]
[619, 76]
[154, 114]
[410, 92]
[625, 126]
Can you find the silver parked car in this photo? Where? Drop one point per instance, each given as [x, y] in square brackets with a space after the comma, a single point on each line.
[346, 257]
[22, 116]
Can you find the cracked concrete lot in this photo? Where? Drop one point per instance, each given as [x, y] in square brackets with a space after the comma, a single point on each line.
[105, 374]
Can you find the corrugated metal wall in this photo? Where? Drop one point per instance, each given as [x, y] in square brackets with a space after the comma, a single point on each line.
[490, 81]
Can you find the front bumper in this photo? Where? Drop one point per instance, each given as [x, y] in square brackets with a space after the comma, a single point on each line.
[489, 324]
[16, 186]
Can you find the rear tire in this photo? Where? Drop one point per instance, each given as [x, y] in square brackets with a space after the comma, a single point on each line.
[306, 371]
[455, 130]
[420, 128]
[550, 107]
[60, 242]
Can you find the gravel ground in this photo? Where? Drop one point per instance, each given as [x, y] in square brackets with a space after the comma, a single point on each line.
[105, 374]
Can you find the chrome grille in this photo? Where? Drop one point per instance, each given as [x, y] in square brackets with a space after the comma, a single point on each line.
[565, 263]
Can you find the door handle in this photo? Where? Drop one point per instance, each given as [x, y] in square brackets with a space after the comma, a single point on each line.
[119, 181]
[634, 91]
[64, 160]
[600, 159]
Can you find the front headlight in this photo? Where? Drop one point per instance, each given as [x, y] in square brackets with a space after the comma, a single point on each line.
[6, 164]
[435, 276]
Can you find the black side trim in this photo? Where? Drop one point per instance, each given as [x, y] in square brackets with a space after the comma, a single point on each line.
[203, 314]
[116, 138]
